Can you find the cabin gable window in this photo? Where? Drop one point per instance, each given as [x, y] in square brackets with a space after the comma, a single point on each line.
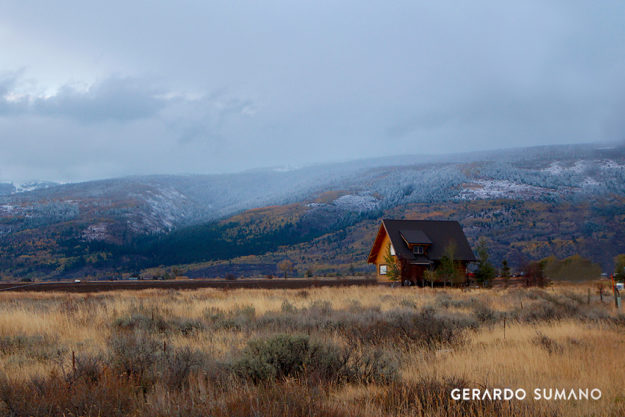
[382, 269]
[392, 251]
[417, 250]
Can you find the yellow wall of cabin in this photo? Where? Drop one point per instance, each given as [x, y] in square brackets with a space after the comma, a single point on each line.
[379, 260]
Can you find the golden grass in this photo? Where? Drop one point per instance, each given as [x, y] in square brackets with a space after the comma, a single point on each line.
[590, 354]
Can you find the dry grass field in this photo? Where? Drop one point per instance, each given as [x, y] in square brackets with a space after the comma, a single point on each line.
[351, 351]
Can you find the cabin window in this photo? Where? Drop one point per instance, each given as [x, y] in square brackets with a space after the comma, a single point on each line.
[392, 251]
[418, 250]
[382, 269]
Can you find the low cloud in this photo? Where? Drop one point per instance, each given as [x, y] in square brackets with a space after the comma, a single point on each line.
[223, 86]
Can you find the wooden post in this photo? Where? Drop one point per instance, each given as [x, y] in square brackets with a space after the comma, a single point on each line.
[504, 327]
[617, 296]
[73, 362]
[588, 300]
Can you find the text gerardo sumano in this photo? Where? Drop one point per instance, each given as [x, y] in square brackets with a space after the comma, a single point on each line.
[521, 394]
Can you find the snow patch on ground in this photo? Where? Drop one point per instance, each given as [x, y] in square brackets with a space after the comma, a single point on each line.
[360, 203]
[166, 208]
[610, 164]
[95, 232]
[556, 168]
[34, 185]
[589, 182]
[487, 189]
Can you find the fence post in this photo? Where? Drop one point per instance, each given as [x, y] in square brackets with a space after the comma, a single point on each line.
[617, 293]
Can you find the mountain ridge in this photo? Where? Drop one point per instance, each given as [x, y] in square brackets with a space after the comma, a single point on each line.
[73, 223]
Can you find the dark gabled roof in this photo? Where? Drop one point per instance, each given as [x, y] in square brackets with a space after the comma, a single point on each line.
[440, 232]
[416, 237]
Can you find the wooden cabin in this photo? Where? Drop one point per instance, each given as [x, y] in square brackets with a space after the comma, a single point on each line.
[418, 245]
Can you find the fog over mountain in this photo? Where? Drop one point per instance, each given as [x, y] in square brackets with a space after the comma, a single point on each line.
[92, 91]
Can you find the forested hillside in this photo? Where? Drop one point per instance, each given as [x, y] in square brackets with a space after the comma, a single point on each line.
[518, 231]
[528, 203]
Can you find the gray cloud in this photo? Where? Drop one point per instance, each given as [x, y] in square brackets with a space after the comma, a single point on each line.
[206, 118]
[216, 87]
[119, 99]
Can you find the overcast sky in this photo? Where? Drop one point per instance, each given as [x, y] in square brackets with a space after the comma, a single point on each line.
[92, 91]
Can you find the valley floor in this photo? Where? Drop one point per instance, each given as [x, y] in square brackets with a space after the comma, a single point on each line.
[348, 351]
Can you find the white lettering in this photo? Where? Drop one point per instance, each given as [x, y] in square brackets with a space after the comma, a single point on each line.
[497, 394]
[507, 394]
[476, 394]
[466, 394]
[597, 395]
[455, 394]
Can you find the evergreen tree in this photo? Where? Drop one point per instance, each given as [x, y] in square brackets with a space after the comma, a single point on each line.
[485, 271]
[393, 271]
[505, 272]
[505, 269]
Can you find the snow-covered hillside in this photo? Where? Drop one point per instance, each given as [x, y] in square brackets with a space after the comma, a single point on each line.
[156, 204]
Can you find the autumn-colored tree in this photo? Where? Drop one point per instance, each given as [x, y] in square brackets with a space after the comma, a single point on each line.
[430, 276]
[619, 267]
[285, 266]
[573, 268]
[534, 274]
[449, 269]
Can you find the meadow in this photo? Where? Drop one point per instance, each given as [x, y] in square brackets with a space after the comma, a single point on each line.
[350, 351]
